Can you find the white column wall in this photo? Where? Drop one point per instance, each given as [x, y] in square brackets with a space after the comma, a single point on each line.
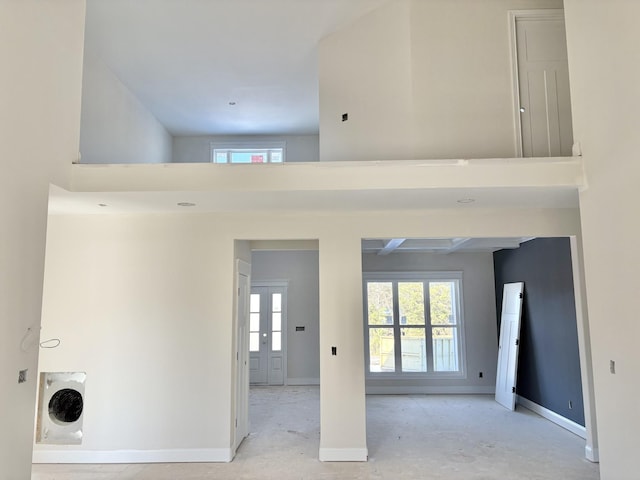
[604, 66]
[41, 45]
[342, 394]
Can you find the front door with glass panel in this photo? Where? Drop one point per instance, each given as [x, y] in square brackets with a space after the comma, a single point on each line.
[267, 335]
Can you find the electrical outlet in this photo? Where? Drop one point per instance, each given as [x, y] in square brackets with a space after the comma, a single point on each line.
[334, 350]
[480, 375]
[345, 117]
[22, 376]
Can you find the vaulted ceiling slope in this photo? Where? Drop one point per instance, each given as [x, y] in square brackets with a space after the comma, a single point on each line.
[188, 60]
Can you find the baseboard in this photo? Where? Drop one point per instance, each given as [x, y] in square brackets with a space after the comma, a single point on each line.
[429, 390]
[343, 454]
[592, 454]
[303, 381]
[134, 456]
[552, 416]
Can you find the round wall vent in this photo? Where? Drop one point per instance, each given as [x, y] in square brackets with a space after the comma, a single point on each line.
[66, 405]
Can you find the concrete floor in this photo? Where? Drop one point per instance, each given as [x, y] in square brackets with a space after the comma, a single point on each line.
[409, 437]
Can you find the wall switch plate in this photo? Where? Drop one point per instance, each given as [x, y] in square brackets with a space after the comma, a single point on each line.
[22, 376]
[612, 366]
[345, 117]
[480, 375]
[334, 350]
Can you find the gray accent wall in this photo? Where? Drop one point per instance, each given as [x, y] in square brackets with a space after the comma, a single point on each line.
[549, 363]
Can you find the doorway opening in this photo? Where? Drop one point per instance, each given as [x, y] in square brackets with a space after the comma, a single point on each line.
[281, 341]
[553, 293]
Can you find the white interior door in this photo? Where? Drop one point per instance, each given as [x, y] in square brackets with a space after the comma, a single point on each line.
[543, 82]
[267, 334]
[242, 353]
[509, 344]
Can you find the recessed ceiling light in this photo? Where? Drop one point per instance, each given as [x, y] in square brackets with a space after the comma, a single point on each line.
[466, 200]
[232, 103]
[103, 205]
[186, 204]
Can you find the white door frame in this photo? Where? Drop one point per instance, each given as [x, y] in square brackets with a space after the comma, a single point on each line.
[584, 350]
[241, 418]
[514, 16]
[284, 284]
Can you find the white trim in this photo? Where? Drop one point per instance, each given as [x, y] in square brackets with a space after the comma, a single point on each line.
[552, 416]
[303, 381]
[592, 454]
[343, 454]
[430, 390]
[513, 16]
[584, 350]
[133, 456]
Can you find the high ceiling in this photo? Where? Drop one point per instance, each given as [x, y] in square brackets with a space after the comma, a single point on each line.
[187, 60]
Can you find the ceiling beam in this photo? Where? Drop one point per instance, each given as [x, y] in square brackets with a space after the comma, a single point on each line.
[391, 245]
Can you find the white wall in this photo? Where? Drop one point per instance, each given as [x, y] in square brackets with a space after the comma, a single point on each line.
[135, 301]
[365, 71]
[421, 79]
[197, 149]
[300, 269]
[480, 330]
[116, 127]
[41, 57]
[144, 304]
[604, 65]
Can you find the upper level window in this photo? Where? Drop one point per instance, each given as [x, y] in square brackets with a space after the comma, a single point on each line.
[413, 323]
[258, 153]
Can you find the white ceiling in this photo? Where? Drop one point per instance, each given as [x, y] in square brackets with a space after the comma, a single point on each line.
[186, 60]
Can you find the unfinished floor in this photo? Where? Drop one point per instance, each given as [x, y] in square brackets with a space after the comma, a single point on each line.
[408, 436]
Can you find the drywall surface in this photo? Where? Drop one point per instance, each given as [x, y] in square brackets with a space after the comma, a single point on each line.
[197, 149]
[116, 127]
[604, 65]
[300, 270]
[549, 359]
[365, 72]
[144, 305]
[41, 56]
[421, 79]
[479, 332]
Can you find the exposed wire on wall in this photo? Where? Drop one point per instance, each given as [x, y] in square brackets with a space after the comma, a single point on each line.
[51, 343]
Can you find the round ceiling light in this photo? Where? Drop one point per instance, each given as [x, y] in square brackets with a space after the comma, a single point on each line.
[186, 204]
[466, 200]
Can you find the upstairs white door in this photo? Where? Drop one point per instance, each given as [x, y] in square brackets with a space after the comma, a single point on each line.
[509, 344]
[543, 81]
[267, 334]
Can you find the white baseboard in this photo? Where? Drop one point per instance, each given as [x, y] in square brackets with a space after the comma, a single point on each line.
[303, 381]
[343, 454]
[133, 456]
[592, 454]
[429, 390]
[552, 416]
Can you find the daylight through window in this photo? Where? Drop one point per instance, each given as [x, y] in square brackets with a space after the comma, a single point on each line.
[248, 155]
[414, 325]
